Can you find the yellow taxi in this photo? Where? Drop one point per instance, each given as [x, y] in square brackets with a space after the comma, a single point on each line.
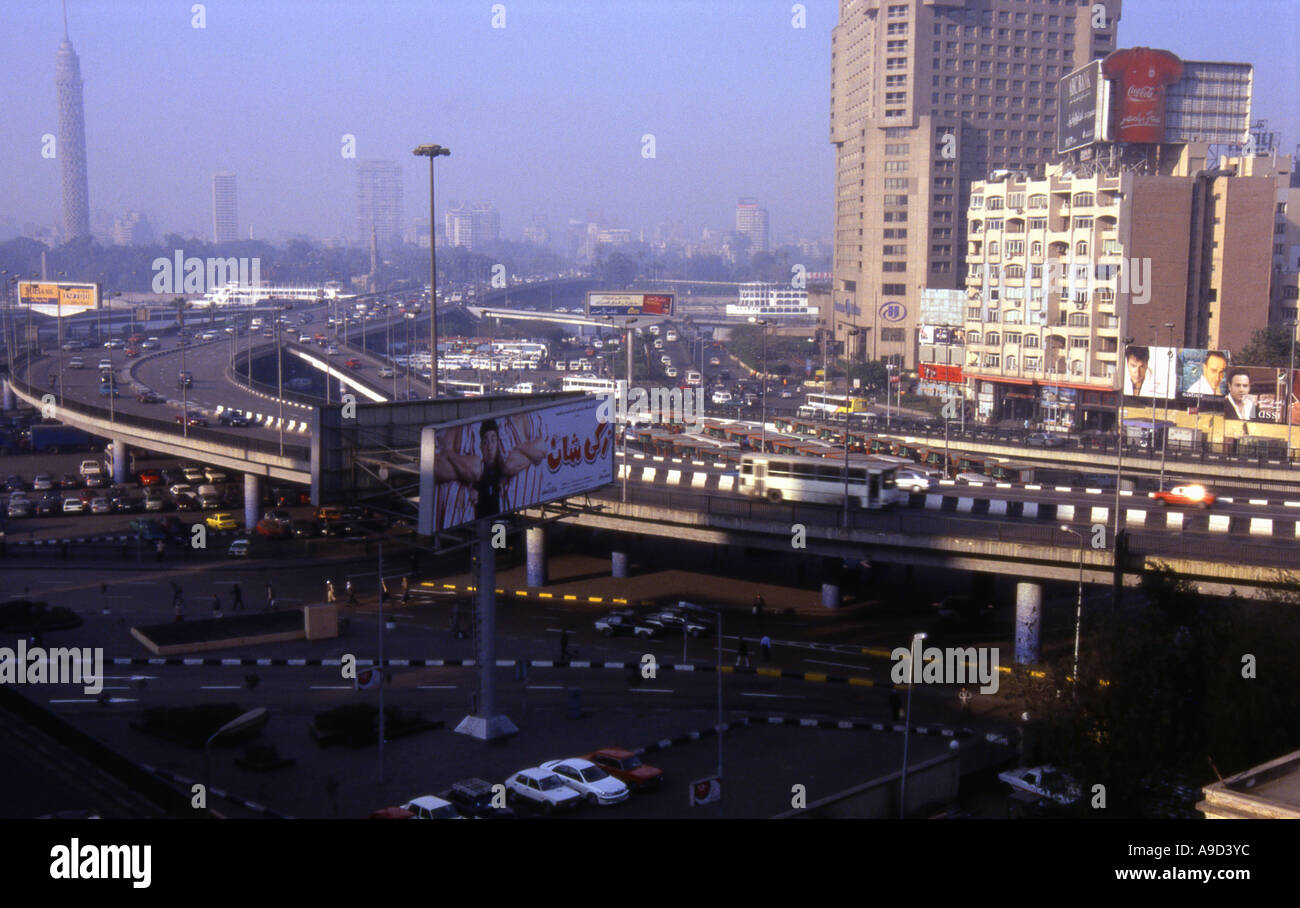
[222, 520]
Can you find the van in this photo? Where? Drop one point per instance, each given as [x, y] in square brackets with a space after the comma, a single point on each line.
[91, 468]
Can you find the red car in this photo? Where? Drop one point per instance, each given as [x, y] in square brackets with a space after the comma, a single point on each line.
[353, 363]
[626, 767]
[195, 420]
[1193, 496]
[150, 478]
[132, 351]
[136, 338]
[272, 529]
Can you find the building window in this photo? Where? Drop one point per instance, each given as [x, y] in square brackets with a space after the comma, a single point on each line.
[993, 339]
[893, 289]
[893, 266]
[1016, 247]
[1078, 320]
[977, 201]
[993, 248]
[1038, 201]
[893, 250]
[1078, 343]
[896, 149]
[1081, 247]
[896, 182]
[893, 335]
[1031, 341]
[973, 337]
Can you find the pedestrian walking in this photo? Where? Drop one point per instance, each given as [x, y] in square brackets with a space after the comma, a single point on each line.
[236, 598]
[564, 644]
[180, 611]
[216, 605]
[742, 652]
[352, 593]
[383, 590]
[159, 548]
[176, 593]
[455, 621]
[406, 590]
[765, 646]
[759, 605]
[270, 596]
[965, 696]
[329, 591]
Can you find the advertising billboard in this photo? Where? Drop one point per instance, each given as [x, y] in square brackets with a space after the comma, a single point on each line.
[484, 467]
[939, 372]
[1163, 373]
[1081, 100]
[601, 304]
[58, 298]
[1259, 394]
[1141, 76]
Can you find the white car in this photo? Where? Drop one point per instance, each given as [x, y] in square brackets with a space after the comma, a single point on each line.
[73, 506]
[386, 372]
[43, 482]
[912, 481]
[431, 808]
[192, 474]
[586, 778]
[238, 549]
[105, 364]
[181, 488]
[214, 475]
[542, 788]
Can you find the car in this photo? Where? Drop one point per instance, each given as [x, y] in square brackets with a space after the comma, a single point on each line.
[1195, 496]
[132, 351]
[150, 478]
[304, 338]
[87, 496]
[625, 621]
[386, 372]
[115, 344]
[72, 345]
[185, 379]
[42, 482]
[281, 517]
[48, 505]
[331, 350]
[151, 343]
[109, 390]
[68, 481]
[148, 529]
[154, 499]
[238, 549]
[73, 506]
[222, 520]
[20, 507]
[1044, 440]
[475, 799]
[912, 480]
[430, 807]
[101, 506]
[147, 397]
[96, 480]
[207, 336]
[271, 529]
[214, 475]
[129, 504]
[542, 789]
[209, 500]
[76, 363]
[353, 363]
[627, 767]
[90, 467]
[194, 420]
[678, 620]
[105, 364]
[192, 473]
[586, 778]
[305, 529]
[180, 488]
[188, 501]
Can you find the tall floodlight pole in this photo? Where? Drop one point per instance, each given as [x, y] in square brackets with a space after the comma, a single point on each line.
[1119, 433]
[763, 427]
[432, 152]
[1169, 369]
[918, 641]
[1290, 391]
[1078, 606]
[279, 375]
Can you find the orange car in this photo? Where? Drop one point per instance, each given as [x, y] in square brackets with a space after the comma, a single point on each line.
[626, 767]
[1194, 496]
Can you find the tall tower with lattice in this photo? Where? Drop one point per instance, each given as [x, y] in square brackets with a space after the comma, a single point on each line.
[72, 139]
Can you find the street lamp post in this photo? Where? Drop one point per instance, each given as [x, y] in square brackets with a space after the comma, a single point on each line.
[1078, 605]
[763, 427]
[1119, 433]
[279, 374]
[1169, 369]
[432, 152]
[917, 640]
[889, 390]
[1290, 392]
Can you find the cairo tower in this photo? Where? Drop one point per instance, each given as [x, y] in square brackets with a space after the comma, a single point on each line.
[72, 140]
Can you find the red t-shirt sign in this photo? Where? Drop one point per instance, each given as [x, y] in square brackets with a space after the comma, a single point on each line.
[1142, 74]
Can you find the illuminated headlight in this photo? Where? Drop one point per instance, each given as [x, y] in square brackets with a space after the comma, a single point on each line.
[1195, 493]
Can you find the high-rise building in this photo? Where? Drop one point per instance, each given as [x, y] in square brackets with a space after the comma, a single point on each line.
[751, 222]
[72, 139]
[537, 232]
[473, 226]
[925, 98]
[132, 229]
[225, 213]
[379, 203]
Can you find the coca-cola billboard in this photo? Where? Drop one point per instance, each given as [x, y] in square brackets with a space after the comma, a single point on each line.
[1141, 76]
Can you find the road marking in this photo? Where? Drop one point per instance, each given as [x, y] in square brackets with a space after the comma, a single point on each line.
[781, 696]
[435, 687]
[331, 687]
[219, 687]
[839, 664]
[544, 687]
[96, 701]
[650, 690]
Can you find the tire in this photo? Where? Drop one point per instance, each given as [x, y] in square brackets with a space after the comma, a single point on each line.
[774, 496]
[916, 490]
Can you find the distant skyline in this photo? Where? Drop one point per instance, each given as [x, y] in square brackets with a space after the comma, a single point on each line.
[546, 116]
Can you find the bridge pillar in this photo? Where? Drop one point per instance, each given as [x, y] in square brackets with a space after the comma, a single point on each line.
[535, 543]
[1029, 619]
[252, 500]
[10, 399]
[832, 569]
[619, 565]
[121, 461]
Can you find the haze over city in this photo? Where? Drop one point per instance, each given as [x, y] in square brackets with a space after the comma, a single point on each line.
[544, 116]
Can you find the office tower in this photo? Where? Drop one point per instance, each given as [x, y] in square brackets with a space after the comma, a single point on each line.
[72, 139]
[473, 226]
[132, 229]
[926, 98]
[225, 218]
[751, 222]
[379, 203]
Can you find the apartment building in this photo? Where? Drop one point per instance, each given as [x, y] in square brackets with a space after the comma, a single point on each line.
[926, 98]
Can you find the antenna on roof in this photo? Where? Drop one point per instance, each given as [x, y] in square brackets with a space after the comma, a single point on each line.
[65, 20]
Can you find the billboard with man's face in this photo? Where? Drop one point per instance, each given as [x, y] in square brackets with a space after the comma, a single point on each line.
[487, 467]
[1164, 373]
[1261, 394]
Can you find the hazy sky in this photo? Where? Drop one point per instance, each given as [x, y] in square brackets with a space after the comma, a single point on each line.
[545, 115]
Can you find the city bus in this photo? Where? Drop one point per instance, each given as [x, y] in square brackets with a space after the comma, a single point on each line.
[463, 388]
[1009, 471]
[589, 383]
[871, 484]
[833, 406]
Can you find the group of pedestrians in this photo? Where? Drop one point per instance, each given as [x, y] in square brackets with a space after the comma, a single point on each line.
[764, 648]
[236, 600]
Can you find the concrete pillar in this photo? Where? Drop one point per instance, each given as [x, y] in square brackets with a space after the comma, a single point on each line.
[1029, 621]
[486, 724]
[10, 399]
[832, 571]
[252, 500]
[619, 565]
[535, 544]
[121, 461]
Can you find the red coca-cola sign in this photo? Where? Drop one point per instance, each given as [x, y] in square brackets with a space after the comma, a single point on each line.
[1142, 74]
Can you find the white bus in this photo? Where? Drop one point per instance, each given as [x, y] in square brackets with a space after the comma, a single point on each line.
[590, 384]
[463, 388]
[832, 406]
[776, 477]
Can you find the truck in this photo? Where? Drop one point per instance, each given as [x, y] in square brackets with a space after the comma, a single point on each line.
[59, 438]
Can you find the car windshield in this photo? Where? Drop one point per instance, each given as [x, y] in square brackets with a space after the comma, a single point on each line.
[593, 774]
[549, 783]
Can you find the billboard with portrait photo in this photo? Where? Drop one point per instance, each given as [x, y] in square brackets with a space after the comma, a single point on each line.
[1202, 373]
[1260, 394]
[485, 467]
[1150, 372]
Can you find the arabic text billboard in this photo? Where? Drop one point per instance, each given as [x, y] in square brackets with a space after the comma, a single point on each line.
[58, 297]
[488, 466]
[1081, 99]
[625, 304]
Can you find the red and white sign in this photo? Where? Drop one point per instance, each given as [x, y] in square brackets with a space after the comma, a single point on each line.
[940, 372]
[706, 791]
[1141, 75]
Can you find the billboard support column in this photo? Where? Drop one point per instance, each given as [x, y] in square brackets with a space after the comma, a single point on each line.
[487, 725]
[10, 399]
[535, 542]
[618, 565]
